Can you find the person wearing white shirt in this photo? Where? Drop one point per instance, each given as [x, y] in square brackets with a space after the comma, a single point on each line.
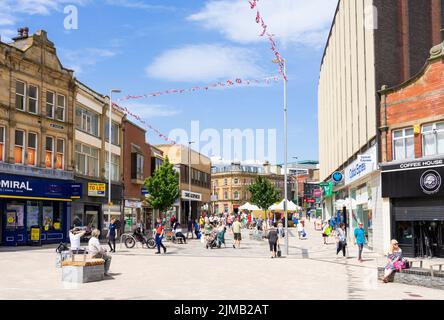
[97, 251]
[74, 238]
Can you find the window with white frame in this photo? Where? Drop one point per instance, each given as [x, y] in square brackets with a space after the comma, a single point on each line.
[87, 160]
[31, 152]
[19, 147]
[403, 144]
[2, 143]
[33, 95]
[115, 167]
[60, 154]
[50, 102]
[87, 121]
[114, 132]
[433, 139]
[20, 95]
[49, 152]
[60, 108]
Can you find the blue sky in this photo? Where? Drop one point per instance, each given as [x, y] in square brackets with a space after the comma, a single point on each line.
[147, 46]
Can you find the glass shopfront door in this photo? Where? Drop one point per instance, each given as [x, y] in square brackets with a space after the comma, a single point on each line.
[14, 231]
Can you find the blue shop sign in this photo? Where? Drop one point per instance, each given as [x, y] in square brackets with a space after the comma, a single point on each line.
[12, 186]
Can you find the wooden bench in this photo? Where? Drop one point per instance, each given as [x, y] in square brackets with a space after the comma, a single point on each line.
[88, 270]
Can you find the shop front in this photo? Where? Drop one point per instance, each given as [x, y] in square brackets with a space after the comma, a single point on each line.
[91, 210]
[27, 203]
[132, 214]
[416, 194]
[187, 198]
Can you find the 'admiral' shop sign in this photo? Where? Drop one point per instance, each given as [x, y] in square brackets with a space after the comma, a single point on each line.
[422, 178]
[12, 186]
[365, 164]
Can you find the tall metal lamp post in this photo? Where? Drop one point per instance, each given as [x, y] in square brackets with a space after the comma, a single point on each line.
[281, 60]
[110, 116]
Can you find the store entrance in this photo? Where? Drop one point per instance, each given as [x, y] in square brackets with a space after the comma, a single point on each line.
[421, 238]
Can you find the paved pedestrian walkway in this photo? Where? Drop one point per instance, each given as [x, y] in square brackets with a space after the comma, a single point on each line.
[190, 271]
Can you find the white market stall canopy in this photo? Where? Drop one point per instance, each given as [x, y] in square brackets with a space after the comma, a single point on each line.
[280, 206]
[250, 207]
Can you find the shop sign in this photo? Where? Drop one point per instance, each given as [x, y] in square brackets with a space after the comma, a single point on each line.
[96, 189]
[317, 193]
[310, 200]
[327, 189]
[422, 181]
[57, 126]
[359, 168]
[144, 191]
[337, 177]
[213, 198]
[23, 187]
[133, 204]
[191, 195]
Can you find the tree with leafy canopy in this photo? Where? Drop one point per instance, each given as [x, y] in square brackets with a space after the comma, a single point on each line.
[263, 193]
[163, 187]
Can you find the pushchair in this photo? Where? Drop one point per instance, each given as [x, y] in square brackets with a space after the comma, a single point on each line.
[212, 239]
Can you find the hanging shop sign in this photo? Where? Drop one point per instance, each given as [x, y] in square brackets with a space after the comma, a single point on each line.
[413, 179]
[327, 189]
[96, 189]
[337, 177]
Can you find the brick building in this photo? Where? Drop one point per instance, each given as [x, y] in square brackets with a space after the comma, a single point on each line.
[412, 144]
[136, 168]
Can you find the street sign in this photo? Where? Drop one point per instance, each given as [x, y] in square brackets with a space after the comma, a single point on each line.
[337, 176]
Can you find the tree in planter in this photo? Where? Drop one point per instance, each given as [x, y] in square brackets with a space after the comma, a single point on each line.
[263, 193]
[163, 187]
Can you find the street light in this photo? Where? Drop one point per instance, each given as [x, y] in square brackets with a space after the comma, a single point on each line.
[189, 178]
[280, 60]
[110, 116]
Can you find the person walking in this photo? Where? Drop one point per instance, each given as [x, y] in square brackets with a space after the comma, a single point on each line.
[190, 228]
[359, 234]
[196, 228]
[273, 241]
[300, 228]
[237, 226]
[160, 231]
[326, 231]
[341, 239]
[112, 235]
[97, 251]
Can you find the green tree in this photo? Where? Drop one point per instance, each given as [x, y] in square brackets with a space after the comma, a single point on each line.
[263, 193]
[163, 187]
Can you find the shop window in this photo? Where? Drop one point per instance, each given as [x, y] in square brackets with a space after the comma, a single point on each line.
[31, 152]
[52, 215]
[403, 144]
[32, 214]
[20, 95]
[77, 213]
[49, 152]
[33, 99]
[60, 108]
[19, 148]
[50, 104]
[60, 149]
[15, 212]
[404, 232]
[2, 144]
[433, 139]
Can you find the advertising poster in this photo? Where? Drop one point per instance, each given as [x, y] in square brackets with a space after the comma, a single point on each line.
[32, 218]
[48, 216]
[20, 211]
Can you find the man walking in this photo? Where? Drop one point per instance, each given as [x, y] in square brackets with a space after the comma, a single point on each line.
[190, 228]
[237, 226]
[360, 239]
[160, 230]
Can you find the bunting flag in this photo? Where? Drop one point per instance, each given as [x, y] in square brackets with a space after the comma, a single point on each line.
[228, 83]
[259, 19]
[146, 125]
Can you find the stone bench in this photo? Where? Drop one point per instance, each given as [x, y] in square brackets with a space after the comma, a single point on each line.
[83, 271]
[416, 276]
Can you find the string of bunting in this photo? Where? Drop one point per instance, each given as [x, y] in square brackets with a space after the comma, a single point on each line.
[228, 83]
[147, 125]
[260, 20]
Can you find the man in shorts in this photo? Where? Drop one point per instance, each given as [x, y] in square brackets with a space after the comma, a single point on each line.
[237, 226]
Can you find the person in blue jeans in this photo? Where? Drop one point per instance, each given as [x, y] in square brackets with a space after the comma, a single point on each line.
[360, 239]
[160, 230]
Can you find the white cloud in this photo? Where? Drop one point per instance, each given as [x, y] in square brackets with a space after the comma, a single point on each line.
[205, 62]
[137, 5]
[7, 35]
[77, 60]
[147, 111]
[292, 21]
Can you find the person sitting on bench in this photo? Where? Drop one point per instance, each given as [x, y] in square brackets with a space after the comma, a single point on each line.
[178, 233]
[74, 238]
[96, 250]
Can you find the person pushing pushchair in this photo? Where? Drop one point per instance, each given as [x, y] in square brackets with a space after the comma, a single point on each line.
[221, 235]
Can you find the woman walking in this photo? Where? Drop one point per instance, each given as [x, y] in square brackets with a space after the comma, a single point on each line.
[273, 241]
[341, 239]
[112, 235]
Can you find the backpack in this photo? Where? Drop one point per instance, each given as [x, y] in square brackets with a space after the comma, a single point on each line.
[62, 247]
